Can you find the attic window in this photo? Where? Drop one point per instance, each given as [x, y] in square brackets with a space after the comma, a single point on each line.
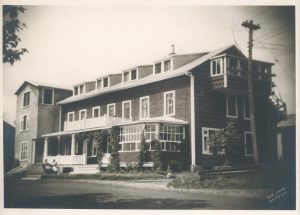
[133, 74]
[105, 82]
[126, 76]
[48, 96]
[99, 83]
[167, 65]
[157, 68]
[79, 89]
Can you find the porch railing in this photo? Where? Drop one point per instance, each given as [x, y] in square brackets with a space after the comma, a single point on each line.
[95, 122]
[68, 159]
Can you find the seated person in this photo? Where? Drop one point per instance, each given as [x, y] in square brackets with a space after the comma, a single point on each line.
[55, 168]
[47, 166]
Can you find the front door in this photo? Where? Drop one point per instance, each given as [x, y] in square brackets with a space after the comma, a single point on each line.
[39, 151]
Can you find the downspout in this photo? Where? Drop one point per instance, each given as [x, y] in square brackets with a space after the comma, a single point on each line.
[192, 98]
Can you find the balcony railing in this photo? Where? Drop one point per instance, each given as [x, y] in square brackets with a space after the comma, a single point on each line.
[96, 122]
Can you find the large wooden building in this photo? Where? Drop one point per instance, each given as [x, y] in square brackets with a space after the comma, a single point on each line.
[178, 97]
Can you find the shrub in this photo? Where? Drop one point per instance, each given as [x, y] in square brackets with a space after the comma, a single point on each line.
[144, 151]
[114, 148]
[174, 166]
[156, 154]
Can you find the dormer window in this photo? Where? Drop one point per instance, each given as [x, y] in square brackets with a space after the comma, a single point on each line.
[105, 82]
[130, 75]
[167, 65]
[126, 76]
[133, 74]
[99, 82]
[157, 68]
[79, 89]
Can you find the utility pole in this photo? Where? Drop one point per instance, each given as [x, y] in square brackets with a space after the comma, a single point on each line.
[252, 27]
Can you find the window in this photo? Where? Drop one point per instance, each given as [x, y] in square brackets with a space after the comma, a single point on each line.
[150, 132]
[171, 136]
[144, 107]
[216, 67]
[133, 74]
[169, 103]
[233, 66]
[48, 96]
[111, 109]
[248, 143]
[79, 89]
[26, 99]
[71, 117]
[206, 134]
[130, 137]
[105, 82]
[265, 73]
[126, 76]
[126, 110]
[24, 123]
[99, 82]
[82, 114]
[231, 103]
[65, 145]
[96, 111]
[24, 151]
[92, 148]
[167, 65]
[157, 68]
[246, 109]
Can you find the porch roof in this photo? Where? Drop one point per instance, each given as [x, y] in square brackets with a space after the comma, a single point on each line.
[161, 119]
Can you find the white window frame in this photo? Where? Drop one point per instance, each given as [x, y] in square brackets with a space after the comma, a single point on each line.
[205, 152]
[123, 110]
[83, 110]
[148, 112]
[21, 123]
[137, 74]
[96, 84]
[52, 102]
[163, 65]
[69, 113]
[94, 108]
[107, 111]
[245, 144]
[130, 136]
[103, 82]
[161, 68]
[236, 107]
[221, 67]
[78, 88]
[174, 104]
[23, 97]
[245, 117]
[21, 144]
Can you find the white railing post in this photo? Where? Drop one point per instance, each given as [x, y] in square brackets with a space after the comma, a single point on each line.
[73, 146]
[225, 72]
[46, 148]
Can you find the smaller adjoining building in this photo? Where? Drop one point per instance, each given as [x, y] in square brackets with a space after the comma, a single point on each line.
[37, 114]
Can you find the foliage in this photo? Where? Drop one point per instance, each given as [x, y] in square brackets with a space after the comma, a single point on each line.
[144, 152]
[114, 148]
[184, 154]
[11, 26]
[156, 154]
[101, 138]
[174, 166]
[228, 140]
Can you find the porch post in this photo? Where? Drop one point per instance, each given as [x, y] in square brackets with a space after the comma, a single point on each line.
[46, 147]
[73, 145]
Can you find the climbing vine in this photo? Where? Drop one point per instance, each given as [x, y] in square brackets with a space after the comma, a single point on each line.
[143, 152]
[101, 139]
[114, 148]
[155, 145]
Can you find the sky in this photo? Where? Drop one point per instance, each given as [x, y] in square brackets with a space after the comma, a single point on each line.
[71, 44]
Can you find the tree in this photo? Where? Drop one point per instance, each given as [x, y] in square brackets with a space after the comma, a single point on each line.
[11, 26]
[142, 157]
[228, 140]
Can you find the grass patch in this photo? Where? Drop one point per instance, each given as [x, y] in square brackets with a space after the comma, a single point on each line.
[253, 180]
[109, 176]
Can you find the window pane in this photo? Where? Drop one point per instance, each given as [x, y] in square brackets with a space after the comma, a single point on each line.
[169, 103]
[157, 68]
[126, 110]
[48, 96]
[111, 110]
[96, 112]
[144, 108]
[126, 76]
[133, 74]
[167, 65]
[80, 89]
[231, 105]
[99, 84]
[75, 90]
[105, 82]
[82, 115]
[26, 99]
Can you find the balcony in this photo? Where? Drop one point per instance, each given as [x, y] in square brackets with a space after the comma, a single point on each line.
[229, 74]
[96, 122]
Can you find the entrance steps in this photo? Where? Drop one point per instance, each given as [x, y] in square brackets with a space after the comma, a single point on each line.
[85, 169]
[33, 172]
[32, 178]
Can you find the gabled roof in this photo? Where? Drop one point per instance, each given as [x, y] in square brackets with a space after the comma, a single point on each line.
[152, 78]
[39, 84]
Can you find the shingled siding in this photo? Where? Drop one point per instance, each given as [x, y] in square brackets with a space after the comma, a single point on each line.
[133, 156]
[210, 111]
[155, 91]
